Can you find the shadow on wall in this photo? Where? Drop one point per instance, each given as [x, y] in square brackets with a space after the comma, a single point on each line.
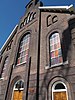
[64, 69]
[67, 47]
[67, 39]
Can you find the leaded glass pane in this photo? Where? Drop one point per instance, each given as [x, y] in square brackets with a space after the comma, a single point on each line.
[55, 49]
[23, 49]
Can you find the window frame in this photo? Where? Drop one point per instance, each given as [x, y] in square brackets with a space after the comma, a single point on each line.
[65, 62]
[59, 90]
[16, 83]
[58, 64]
[21, 40]
[14, 89]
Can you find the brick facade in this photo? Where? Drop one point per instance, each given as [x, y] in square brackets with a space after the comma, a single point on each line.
[37, 74]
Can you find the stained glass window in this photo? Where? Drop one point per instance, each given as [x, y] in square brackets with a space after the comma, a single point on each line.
[55, 50]
[4, 68]
[23, 49]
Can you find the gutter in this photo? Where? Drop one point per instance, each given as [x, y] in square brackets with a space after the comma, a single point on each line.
[64, 8]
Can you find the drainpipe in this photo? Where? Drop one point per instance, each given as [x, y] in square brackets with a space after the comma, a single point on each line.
[38, 58]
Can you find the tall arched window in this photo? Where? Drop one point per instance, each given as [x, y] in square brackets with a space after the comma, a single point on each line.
[55, 50]
[23, 49]
[3, 74]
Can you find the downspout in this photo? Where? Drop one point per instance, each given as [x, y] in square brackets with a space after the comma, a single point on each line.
[38, 57]
[28, 76]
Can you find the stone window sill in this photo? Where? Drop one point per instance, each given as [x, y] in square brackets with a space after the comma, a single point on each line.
[57, 65]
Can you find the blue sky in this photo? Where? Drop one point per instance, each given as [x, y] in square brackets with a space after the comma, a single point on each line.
[12, 10]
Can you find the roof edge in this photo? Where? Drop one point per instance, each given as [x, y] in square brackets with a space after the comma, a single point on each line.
[67, 8]
[8, 38]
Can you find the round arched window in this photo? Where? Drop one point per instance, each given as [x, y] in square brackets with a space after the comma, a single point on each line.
[55, 50]
[19, 85]
[59, 91]
[23, 49]
[17, 93]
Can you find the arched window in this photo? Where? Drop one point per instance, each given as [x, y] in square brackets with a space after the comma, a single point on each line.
[59, 91]
[19, 85]
[55, 50]
[23, 49]
[17, 93]
[3, 74]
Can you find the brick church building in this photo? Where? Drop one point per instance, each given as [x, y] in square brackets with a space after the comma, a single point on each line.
[37, 60]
